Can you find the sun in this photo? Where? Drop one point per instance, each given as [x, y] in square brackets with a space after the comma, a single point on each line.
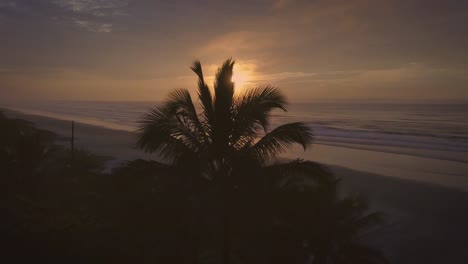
[239, 79]
[243, 76]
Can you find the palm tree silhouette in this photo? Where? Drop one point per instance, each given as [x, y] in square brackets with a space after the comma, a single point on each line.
[22, 149]
[343, 224]
[228, 139]
[331, 229]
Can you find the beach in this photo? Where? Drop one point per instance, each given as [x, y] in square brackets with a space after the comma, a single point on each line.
[281, 131]
[425, 200]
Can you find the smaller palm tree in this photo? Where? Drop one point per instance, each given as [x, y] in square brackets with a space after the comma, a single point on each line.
[23, 148]
[330, 230]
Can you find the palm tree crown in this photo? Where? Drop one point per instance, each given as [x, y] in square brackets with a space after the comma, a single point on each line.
[228, 142]
[228, 126]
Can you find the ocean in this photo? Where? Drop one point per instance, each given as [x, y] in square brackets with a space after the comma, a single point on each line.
[428, 130]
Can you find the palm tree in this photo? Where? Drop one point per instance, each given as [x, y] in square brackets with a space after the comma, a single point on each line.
[23, 148]
[230, 135]
[331, 229]
[343, 224]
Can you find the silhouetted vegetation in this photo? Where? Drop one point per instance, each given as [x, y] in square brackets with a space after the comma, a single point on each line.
[226, 157]
[218, 196]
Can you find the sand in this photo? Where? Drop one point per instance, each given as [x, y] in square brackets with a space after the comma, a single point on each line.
[425, 223]
[425, 200]
[448, 173]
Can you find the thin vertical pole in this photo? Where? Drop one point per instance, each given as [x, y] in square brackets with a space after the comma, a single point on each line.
[73, 143]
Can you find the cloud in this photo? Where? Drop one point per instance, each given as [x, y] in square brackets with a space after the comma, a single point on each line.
[282, 76]
[98, 8]
[93, 15]
[280, 4]
[241, 42]
[8, 4]
[251, 73]
[408, 76]
[94, 27]
[4, 7]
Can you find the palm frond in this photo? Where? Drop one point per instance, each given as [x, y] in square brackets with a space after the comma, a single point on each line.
[369, 221]
[161, 131]
[359, 253]
[352, 218]
[281, 139]
[179, 103]
[252, 112]
[224, 87]
[353, 206]
[299, 172]
[224, 91]
[204, 93]
[353, 209]
[257, 103]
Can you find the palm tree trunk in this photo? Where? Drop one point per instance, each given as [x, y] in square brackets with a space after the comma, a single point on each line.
[194, 243]
[191, 216]
[264, 216]
[226, 241]
[226, 251]
[192, 240]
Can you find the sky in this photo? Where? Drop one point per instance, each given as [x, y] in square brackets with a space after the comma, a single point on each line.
[398, 50]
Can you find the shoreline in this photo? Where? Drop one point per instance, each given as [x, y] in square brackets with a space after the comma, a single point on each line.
[456, 156]
[120, 145]
[424, 223]
[450, 174]
[426, 151]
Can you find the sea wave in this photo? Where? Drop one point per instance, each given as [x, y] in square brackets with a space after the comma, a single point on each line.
[424, 128]
[392, 139]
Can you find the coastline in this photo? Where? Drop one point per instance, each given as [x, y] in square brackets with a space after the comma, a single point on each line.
[412, 203]
[120, 145]
[422, 153]
[435, 143]
[424, 223]
[117, 145]
[447, 173]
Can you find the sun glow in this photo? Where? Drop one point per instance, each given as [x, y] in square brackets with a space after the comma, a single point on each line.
[239, 78]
